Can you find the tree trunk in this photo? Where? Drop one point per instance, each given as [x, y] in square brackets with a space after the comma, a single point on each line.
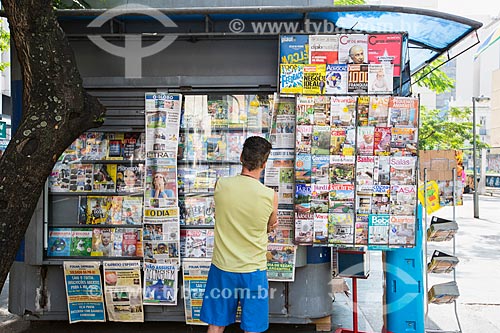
[56, 110]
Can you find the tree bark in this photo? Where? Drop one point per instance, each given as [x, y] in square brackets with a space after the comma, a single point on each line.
[56, 110]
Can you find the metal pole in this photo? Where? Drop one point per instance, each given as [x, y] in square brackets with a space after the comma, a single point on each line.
[474, 174]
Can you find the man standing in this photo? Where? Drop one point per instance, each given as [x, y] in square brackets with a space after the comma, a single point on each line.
[245, 211]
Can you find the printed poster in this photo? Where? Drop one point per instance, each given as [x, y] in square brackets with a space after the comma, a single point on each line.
[122, 287]
[281, 262]
[84, 291]
[194, 274]
[160, 284]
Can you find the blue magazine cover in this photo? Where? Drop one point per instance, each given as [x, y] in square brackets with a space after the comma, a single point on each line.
[294, 49]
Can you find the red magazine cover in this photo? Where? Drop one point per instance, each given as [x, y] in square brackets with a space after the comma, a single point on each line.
[385, 48]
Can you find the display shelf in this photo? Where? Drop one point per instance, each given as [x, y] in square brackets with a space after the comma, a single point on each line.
[443, 293]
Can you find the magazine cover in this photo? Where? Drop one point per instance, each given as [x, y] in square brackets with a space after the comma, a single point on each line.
[304, 227]
[361, 236]
[382, 141]
[402, 231]
[402, 170]
[364, 170]
[104, 177]
[336, 78]
[381, 170]
[216, 147]
[381, 199]
[80, 177]
[234, 146]
[321, 116]
[404, 141]
[160, 284]
[303, 165]
[59, 243]
[385, 49]
[362, 108]
[131, 146]
[403, 200]
[341, 169]
[303, 139]
[294, 49]
[196, 244]
[403, 111]
[353, 48]
[314, 79]
[320, 140]
[99, 210]
[319, 169]
[130, 178]
[341, 228]
[380, 78]
[357, 80]
[320, 228]
[115, 146]
[305, 110]
[281, 262]
[96, 146]
[132, 210]
[364, 198]
[218, 110]
[378, 112]
[302, 198]
[319, 198]
[291, 77]
[323, 49]
[365, 140]
[102, 242]
[337, 139]
[343, 111]
[116, 209]
[378, 231]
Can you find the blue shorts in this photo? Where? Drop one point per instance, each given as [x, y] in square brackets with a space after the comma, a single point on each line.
[225, 289]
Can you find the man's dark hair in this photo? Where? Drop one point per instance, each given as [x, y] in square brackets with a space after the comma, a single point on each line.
[255, 152]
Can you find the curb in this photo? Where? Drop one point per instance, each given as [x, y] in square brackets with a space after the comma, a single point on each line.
[13, 324]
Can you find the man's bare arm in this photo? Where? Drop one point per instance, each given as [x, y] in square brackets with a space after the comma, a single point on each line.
[273, 219]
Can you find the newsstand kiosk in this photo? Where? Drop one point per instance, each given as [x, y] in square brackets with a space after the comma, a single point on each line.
[223, 79]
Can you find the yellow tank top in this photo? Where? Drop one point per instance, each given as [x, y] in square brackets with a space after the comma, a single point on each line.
[242, 209]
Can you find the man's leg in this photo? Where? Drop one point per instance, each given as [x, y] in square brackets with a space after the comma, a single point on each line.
[215, 329]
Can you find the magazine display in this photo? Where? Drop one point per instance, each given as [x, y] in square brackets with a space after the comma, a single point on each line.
[357, 185]
[350, 63]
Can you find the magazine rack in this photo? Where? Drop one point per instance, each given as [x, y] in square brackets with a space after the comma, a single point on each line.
[454, 175]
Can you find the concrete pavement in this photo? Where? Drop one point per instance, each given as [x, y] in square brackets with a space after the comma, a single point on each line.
[478, 307]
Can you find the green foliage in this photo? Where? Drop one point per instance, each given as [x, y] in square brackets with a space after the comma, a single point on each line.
[446, 130]
[348, 2]
[436, 80]
[4, 46]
